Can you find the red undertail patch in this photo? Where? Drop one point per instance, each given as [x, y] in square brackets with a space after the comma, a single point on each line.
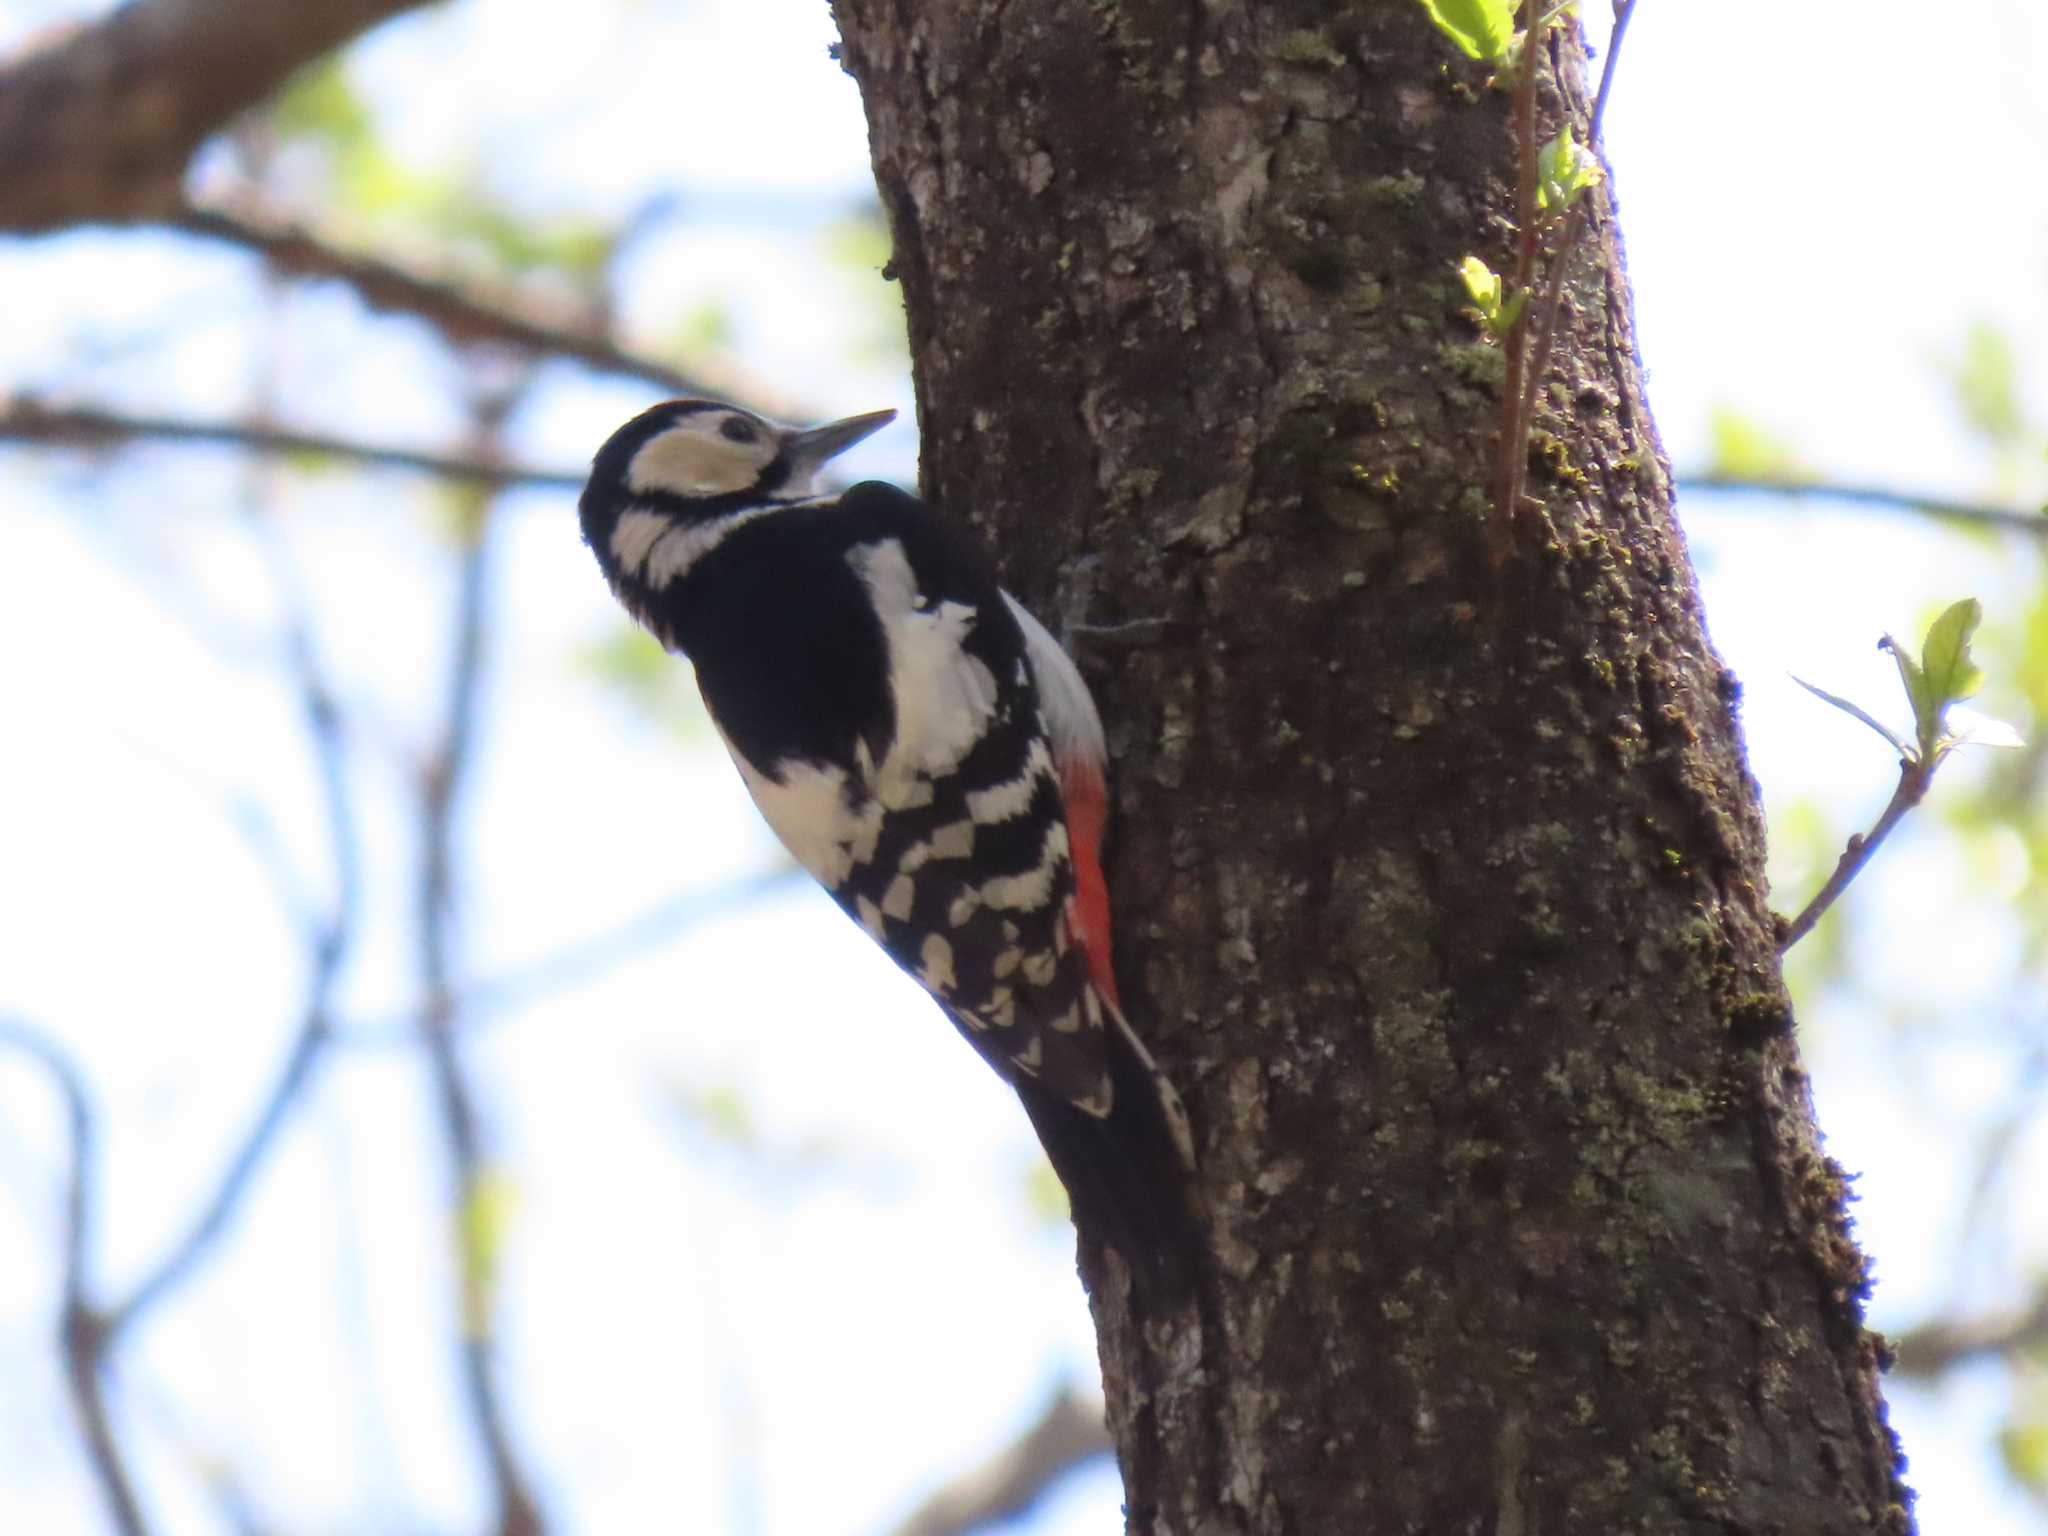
[1087, 803]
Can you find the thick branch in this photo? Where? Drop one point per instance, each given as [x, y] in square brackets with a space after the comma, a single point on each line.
[98, 126]
[1939, 1346]
[462, 312]
[1006, 1486]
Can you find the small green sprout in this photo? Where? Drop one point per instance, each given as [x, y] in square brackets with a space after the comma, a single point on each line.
[1482, 29]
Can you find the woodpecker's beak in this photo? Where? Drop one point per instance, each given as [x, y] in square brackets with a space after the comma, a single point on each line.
[811, 448]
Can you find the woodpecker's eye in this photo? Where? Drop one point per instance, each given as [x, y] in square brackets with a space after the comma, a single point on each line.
[737, 429]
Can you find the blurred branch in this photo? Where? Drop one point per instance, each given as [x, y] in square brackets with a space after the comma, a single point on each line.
[83, 1332]
[328, 939]
[464, 313]
[1876, 499]
[1070, 1431]
[588, 958]
[97, 124]
[89, 1332]
[23, 420]
[442, 780]
[1936, 1347]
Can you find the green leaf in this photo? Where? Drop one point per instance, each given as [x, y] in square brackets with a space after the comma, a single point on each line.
[1926, 718]
[1861, 714]
[2024, 1447]
[1986, 382]
[483, 1222]
[1483, 283]
[1482, 28]
[320, 105]
[1945, 658]
[1967, 728]
[1741, 449]
[1564, 170]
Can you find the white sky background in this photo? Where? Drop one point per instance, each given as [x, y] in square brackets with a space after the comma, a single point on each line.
[1815, 208]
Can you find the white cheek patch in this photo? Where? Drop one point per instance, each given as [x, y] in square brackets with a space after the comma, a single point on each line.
[634, 534]
[660, 548]
[686, 461]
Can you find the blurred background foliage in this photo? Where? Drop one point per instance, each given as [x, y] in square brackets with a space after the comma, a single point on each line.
[486, 1129]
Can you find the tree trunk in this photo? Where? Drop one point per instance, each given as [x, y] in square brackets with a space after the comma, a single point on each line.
[1441, 887]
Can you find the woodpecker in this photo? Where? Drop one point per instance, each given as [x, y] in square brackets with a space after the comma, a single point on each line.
[924, 748]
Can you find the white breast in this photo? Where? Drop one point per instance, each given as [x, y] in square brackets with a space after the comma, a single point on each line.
[944, 696]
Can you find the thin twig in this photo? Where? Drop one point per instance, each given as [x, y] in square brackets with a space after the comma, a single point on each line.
[82, 1328]
[1575, 226]
[464, 313]
[1877, 498]
[1914, 776]
[581, 960]
[27, 420]
[32, 421]
[441, 784]
[328, 940]
[1512, 458]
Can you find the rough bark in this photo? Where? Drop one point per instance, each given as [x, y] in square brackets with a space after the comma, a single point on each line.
[97, 125]
[1441, 888]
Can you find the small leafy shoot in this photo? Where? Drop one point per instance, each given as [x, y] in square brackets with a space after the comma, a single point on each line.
[1484, 285]
[1935, 684]
[1944, 674]
[1482, 29]
[1565, 168]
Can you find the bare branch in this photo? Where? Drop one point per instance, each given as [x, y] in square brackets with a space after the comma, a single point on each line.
[1876, 498]
[31, 421]
[97, 126]
[327, 942]
[441, 784]
[584, 959]
[1939, 1346]
[1070, 1431]
[82, 1330]
[27, 420]
[1915, 774]
[463, 312]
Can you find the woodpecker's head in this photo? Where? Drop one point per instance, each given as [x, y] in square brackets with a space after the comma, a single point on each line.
[671, 481]
[685, 452]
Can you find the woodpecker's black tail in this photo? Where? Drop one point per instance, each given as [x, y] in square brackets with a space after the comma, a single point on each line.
[1130, 1174]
